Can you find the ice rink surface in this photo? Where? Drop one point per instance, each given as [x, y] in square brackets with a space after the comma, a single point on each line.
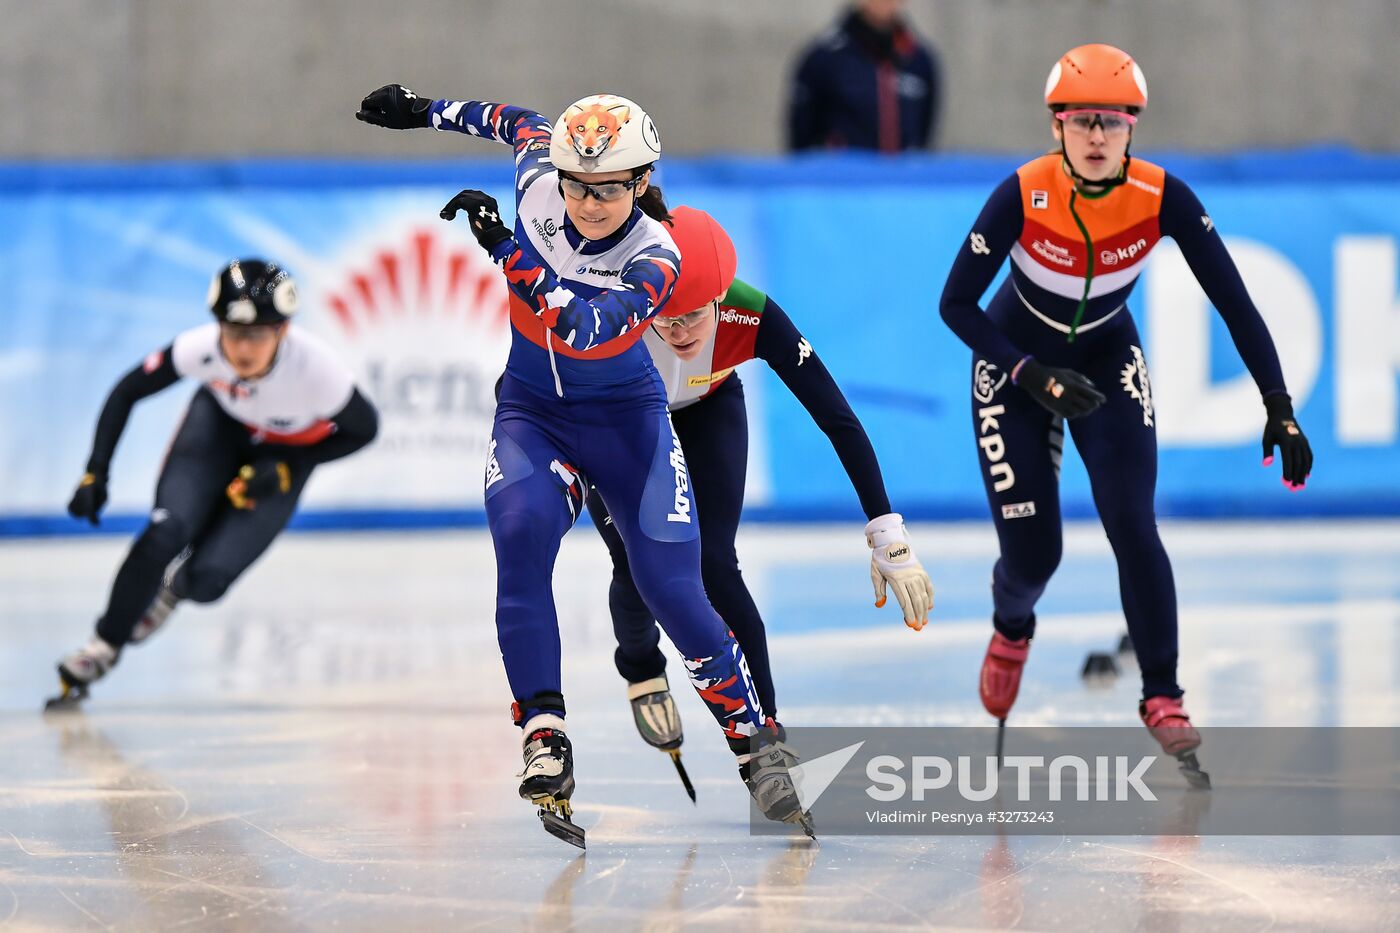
[330, 746]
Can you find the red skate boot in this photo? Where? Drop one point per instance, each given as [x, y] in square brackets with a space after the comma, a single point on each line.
[1001, 679]
[1169, 724]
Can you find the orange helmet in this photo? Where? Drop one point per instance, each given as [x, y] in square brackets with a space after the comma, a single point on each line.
[708, 261]
[1096, 74]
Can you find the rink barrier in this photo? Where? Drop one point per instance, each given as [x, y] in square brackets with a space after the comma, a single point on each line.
[1316, 232]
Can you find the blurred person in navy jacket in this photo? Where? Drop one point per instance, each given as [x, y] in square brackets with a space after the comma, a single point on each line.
[869, 83]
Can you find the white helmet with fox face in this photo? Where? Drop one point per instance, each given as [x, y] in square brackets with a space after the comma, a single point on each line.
[603, 133]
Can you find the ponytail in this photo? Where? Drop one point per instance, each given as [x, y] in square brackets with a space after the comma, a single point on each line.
[653, 204]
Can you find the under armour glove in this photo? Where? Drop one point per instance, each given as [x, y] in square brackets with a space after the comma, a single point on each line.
[1065, 392]
[893, 564]
[396, 107]
[259, 481]
[91, 496]
[483, 214]
[1282, 430]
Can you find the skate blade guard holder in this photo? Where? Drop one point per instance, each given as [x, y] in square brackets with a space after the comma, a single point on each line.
[557, 818]
[70, 696]
[69, 699]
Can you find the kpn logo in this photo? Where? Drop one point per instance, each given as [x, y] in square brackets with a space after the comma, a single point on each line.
[422, 315]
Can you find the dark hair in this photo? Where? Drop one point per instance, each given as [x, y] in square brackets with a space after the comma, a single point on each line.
[653, 203]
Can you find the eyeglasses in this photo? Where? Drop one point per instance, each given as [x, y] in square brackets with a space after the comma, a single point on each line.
[248, 333]
[688, 320]
[603, 191]
[1112, 122]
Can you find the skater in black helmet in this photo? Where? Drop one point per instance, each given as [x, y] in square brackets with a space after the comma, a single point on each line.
[274, 403]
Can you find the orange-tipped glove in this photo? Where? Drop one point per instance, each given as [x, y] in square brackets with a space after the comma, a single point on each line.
[893, 564]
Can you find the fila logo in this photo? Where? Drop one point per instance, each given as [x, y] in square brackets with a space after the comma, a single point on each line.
[979, 245]
[1040, 200]
[1018, 510]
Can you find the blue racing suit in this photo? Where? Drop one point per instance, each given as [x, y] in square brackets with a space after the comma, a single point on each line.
[580, 397]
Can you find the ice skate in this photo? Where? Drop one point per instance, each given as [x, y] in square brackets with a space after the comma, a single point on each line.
[1171, 727]
[659, 722]
[767, 774]
[155, 616]
[1001, 679]
[548, 778]
[79, 669]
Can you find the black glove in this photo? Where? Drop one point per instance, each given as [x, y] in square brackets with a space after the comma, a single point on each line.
[396, 107]
[1065, 392]
[259, 481]
[1280, 429]
[91, 496]
[485, 217]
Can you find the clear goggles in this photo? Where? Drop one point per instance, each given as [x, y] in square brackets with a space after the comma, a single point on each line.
[687, 320]
[1112, 122]
[603, 191]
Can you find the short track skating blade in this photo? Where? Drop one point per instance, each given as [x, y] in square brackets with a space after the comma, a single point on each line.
[561, 827]
[675, 754]
[1191, 770]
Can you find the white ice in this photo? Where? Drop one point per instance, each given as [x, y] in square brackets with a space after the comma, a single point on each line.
[330, 746]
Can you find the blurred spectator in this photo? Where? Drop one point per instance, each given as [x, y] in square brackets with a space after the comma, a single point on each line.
[869, 83]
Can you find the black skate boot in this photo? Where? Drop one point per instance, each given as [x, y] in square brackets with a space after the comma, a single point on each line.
[659, 722]
[766, 772]
[548, 778]
[80, 668]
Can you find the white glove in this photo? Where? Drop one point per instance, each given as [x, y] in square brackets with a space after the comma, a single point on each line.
[892, 562]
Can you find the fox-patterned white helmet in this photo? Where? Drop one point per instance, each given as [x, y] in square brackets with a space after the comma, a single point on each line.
[603, 133]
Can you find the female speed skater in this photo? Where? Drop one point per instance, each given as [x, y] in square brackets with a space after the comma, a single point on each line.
[274, 403]
[1056, 343]
[713, 323]
[588, 264]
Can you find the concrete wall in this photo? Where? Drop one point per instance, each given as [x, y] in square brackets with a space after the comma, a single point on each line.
[277, 77]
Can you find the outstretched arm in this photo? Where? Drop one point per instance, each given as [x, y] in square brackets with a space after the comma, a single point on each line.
[153, 375]
[527, 132]
[782, 347]
[1186, 221]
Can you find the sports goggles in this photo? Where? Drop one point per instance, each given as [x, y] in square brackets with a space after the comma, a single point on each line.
[1112, 122]
[248, 333]
[603, 191]
[687, 320]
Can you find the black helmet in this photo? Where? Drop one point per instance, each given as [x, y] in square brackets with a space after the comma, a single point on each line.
[253, 291]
